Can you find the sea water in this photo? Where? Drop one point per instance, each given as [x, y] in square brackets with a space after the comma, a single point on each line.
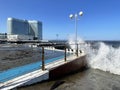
[103, 73]
[105, 57]
[100, 55]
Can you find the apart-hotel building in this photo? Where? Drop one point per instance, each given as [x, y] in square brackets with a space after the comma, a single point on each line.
[28, 29]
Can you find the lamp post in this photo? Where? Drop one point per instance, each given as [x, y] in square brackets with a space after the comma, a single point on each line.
[75, 16]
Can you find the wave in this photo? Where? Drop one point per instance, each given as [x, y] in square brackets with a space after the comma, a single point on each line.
[106, 58]
[100, 56]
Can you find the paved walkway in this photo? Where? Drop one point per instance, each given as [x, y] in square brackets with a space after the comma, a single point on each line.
[18, 71]
[32, 73]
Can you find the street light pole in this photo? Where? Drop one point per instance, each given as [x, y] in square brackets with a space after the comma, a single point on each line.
[76, 18]
[76, 27]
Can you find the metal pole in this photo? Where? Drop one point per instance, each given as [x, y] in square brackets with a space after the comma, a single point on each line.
[77, 50]
[43, 63]
[65, 53]
[76, 17]
[76, 27]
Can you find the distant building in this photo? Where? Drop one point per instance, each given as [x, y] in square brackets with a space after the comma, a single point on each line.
[26, 28]
[19, 37]
[35, 29]
[3, 35]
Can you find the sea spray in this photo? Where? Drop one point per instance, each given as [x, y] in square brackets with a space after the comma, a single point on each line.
[100, 55]
[72, 42]
[106, 58]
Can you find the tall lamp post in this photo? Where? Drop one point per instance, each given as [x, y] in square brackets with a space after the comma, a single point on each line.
[75, 16]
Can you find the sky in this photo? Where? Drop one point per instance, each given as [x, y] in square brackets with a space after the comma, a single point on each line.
[100, 20]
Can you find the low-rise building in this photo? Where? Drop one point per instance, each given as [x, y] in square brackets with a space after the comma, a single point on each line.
[3, 35]
[19, 37]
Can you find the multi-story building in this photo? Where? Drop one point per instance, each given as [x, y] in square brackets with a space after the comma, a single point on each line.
[35, 28]
[26, 28]
[3, 35]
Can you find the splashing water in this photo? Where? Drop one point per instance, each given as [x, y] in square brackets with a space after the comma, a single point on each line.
[106, 58]
[72, 42]
[103, 57]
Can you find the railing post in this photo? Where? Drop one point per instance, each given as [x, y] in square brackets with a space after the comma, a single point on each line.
[77, 50]
[65, 54]
[43, 63]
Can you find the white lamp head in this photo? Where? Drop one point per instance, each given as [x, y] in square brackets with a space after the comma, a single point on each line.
[71, 16]
[80, 13]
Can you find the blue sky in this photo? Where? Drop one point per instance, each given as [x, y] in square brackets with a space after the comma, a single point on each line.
[101, 19]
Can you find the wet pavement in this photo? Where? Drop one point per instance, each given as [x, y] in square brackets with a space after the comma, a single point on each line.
[89, 79]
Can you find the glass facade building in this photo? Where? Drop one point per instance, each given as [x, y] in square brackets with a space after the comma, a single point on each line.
[35, 28]
[24, 27]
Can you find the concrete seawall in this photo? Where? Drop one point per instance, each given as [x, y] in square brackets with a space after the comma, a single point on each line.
[55, 68]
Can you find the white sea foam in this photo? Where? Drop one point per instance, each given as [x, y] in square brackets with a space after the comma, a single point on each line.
[106, 58]
[72, 41]
[103, 57]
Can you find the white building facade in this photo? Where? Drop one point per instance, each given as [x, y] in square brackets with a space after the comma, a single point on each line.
[25, 28]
